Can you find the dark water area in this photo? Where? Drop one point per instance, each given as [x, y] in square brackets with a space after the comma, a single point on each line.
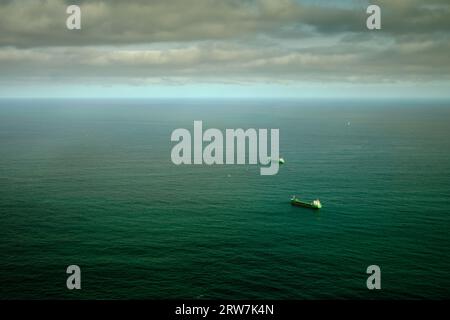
[91, 183]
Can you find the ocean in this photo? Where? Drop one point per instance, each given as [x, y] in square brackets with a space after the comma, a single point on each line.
[91, 183]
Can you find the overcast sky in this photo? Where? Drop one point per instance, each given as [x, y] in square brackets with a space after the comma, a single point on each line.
[231, 48]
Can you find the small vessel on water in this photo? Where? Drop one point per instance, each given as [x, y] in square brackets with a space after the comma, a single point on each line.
[279, 160]
[313, 205]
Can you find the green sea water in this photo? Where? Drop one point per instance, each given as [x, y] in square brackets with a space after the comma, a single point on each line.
[91, 183]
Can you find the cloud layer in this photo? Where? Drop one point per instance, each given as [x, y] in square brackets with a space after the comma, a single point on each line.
[224, 41]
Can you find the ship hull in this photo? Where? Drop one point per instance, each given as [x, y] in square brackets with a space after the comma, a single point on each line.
[298, 203]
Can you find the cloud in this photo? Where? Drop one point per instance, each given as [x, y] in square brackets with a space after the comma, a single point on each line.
[30, 23]
[224, 41]
[218, 62]
[42, 23]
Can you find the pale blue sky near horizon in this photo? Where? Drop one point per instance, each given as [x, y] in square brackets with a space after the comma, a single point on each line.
[227, 91]
[223, 91]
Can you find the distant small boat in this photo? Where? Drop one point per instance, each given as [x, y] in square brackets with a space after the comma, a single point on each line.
[280, 160]
[313, 205]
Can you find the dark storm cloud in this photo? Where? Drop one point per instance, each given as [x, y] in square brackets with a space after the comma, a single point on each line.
[42, 23]
[28, 23]
[225, 40]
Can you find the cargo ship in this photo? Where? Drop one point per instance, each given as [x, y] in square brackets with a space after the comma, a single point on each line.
[312, 205]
